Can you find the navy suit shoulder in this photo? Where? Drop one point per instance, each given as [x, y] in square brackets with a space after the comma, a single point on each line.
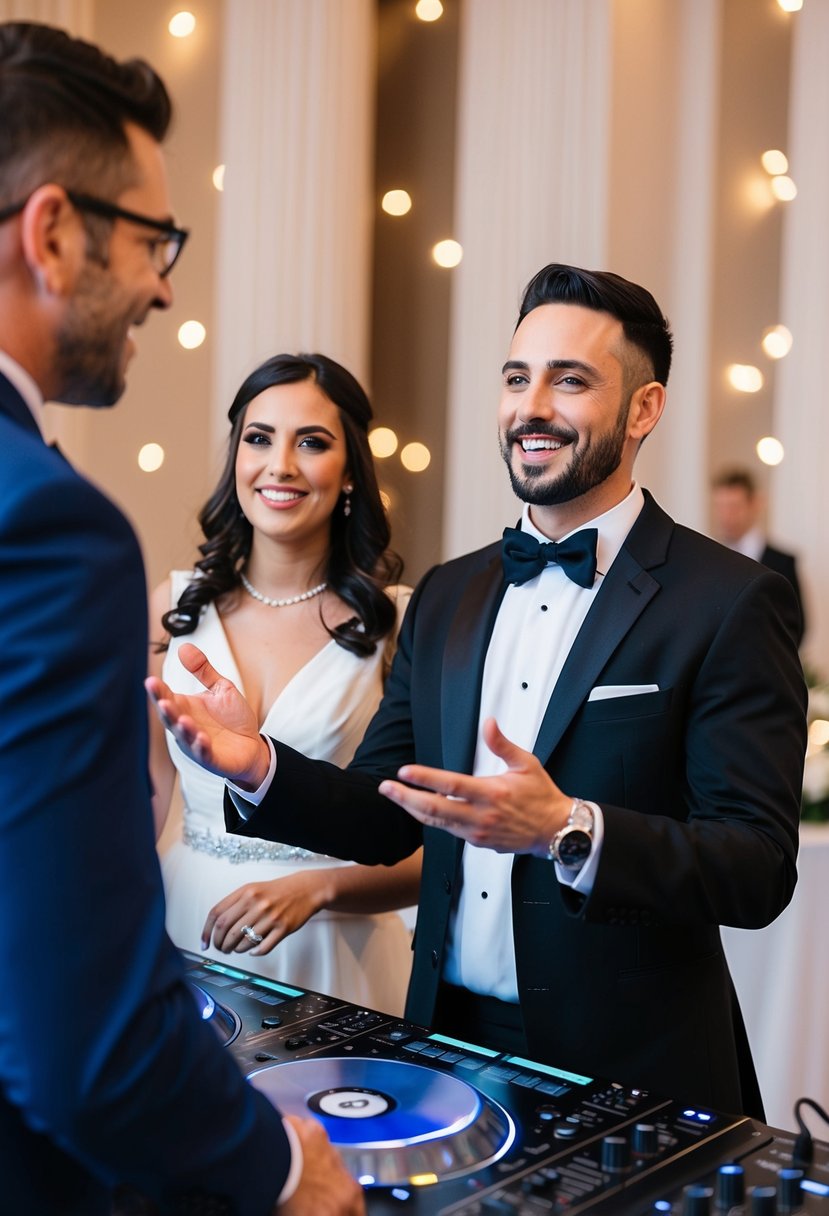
[128, 1086]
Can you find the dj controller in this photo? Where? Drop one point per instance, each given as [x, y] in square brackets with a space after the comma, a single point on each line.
[433, 1126]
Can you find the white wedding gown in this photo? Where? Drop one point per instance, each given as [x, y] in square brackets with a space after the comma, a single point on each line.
[323, 711]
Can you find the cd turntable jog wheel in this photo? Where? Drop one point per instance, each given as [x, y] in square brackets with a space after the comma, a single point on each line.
[392, 1122]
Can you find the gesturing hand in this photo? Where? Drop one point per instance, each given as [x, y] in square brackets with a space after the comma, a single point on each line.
[517, 811]
[216, 728]
[273, 910]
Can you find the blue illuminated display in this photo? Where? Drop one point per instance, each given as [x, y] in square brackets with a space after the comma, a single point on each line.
[473, 1047]
[815, 1188]
[558, 1073]
[284, 989]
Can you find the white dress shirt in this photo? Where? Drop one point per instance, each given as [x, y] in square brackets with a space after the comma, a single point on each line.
[534, 631]
[751, 544]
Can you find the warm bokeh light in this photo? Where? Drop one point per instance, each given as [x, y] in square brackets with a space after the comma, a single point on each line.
[191, 334]
[396, 202]
[783, 187]
[819, 733]
[151, 457]
[182, 24]
[745, 377]
[219, 177]
[447, 254]
[382, 441]
[777, 341]
[770, 450]
[428, 10]
[775, 162]
[790, 6]
[415, 457]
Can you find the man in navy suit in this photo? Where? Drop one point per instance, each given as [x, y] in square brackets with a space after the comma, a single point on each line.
[109, 1079]
[641, 785]
[737, 507]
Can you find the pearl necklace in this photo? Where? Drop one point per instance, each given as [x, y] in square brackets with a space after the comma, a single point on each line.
[294, 599]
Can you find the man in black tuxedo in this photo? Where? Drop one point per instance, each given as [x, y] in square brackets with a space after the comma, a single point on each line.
[110, 1081]
[737, 508]
[642, 783]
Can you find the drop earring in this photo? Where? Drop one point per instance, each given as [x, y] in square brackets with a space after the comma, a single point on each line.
[347, 504]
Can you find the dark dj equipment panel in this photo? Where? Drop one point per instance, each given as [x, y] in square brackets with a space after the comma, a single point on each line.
[431, 1125]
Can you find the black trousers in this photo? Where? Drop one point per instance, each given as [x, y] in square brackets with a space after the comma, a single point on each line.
[479, 1019]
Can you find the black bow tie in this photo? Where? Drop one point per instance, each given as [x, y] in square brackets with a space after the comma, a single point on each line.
[524, 557]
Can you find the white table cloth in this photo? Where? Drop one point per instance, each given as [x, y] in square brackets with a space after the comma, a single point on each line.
[782, 978]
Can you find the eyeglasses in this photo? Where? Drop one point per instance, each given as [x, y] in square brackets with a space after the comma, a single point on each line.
[164, 252]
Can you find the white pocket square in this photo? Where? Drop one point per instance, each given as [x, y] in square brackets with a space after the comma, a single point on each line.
[603, 692]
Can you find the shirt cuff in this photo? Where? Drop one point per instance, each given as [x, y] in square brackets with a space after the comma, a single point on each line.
[297, 1161]
[246, 800]
[582, 882]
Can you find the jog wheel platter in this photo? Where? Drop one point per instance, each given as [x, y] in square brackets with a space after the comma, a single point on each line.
[393, 1121]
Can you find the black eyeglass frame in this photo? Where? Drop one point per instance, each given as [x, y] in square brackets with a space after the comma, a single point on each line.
[98, 206]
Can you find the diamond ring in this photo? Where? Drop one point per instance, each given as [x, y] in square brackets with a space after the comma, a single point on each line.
[252, 935]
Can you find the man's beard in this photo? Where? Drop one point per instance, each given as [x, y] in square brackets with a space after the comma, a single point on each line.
[90, 344]
[591, 463]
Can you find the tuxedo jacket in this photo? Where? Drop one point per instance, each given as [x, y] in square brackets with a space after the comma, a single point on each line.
[108, 1075]
[699, 783]
[786, 564]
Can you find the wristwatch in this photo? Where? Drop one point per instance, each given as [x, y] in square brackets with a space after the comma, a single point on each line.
[571, 845]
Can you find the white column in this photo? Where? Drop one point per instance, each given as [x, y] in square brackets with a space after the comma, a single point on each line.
[665, 229]
[801, 497]
[295, 226]
[530, 189]
[586, 134]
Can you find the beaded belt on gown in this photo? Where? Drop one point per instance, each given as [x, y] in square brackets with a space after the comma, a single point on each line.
[239, 849]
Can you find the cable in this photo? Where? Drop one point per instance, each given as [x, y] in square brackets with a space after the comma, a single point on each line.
[803, 1147]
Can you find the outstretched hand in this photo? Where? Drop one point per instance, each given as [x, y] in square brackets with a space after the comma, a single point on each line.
[517, 811]
[216, 728]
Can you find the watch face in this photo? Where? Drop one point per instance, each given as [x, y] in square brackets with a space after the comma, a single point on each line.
[573, 848]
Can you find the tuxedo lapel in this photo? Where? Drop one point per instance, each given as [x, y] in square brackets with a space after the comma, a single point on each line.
[627, 590]
[463, 665]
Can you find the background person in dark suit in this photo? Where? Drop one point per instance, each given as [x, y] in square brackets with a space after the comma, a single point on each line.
[109, 1078]
[737, 508]
[642, 783]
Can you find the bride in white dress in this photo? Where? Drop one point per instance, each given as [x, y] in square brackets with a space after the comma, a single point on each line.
[293, 599]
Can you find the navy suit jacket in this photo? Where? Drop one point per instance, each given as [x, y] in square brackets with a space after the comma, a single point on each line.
[108, 1075]
[699, 783]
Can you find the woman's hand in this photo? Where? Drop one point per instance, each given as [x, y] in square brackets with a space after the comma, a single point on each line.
[270, 910]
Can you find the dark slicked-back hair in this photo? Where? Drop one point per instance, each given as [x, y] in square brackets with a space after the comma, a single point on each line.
[64, 104]
[641, 318]
[360, 563]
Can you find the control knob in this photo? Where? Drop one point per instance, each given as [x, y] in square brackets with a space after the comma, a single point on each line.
[645, 1140]
[697, 1200]
[615, 1154]
[763, 1201]
[789, 1193]
[731, 1186]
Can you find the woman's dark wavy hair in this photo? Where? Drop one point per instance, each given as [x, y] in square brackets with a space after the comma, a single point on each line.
[360, 562]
